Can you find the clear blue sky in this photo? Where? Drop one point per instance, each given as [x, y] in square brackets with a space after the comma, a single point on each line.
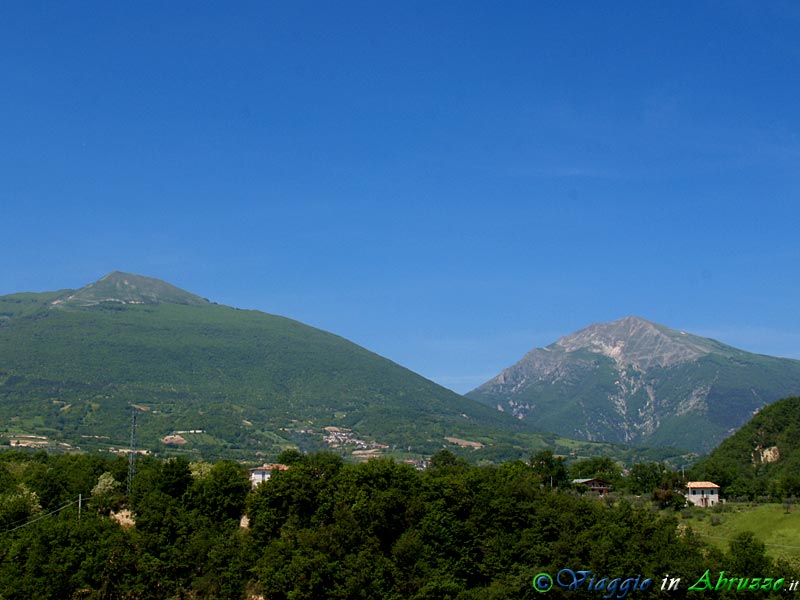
[449, 184]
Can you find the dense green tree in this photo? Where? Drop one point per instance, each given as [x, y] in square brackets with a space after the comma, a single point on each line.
[290, 456]
[17, 505]
[643, 478]
[550, 469]
[747, 556]
[445, 459]
[222, 494]
[58, 557]
[323, 529]
[176, 477]
[106, 494]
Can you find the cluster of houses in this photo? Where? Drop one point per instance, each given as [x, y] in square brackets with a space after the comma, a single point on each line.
[698, 493]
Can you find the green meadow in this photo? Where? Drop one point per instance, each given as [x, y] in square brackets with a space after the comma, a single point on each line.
[778, 529]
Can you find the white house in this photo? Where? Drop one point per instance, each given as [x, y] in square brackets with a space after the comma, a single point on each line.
[261, 474]
[702, 493]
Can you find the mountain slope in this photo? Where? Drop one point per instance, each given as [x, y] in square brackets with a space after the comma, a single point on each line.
[635, 381]
[762, 458]
[220, 381]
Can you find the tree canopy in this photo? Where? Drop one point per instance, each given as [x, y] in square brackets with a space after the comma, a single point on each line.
[325, 529]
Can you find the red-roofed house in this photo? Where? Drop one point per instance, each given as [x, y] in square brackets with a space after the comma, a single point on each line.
[702, 493]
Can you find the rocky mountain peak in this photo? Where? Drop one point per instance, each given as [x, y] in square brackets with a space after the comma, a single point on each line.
[635, 381]
[637, 342]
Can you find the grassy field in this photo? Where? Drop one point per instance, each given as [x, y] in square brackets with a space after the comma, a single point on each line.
[771, 524]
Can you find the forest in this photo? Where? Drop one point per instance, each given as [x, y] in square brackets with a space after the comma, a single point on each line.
[73, 527]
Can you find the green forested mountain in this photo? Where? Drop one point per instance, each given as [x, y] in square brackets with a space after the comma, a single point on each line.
[639, 382]
[762, 458]
[221, 381]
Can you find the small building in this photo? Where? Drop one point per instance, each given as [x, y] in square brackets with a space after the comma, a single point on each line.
[598, 486]
[702, 493]
[261, 474]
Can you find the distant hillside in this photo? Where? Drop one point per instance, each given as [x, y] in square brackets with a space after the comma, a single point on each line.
[762, 458]
[220, 381]
[634, 381]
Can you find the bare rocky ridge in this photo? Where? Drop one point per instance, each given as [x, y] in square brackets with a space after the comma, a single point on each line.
[636, 381]
[639, 343]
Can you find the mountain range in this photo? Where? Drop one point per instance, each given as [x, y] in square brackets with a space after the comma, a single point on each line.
[638, 382]
[78, 366]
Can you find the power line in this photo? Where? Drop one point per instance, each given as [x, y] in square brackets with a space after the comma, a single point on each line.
[40, 517]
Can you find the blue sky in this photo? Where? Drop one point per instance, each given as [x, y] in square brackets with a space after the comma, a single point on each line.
[449, 184]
